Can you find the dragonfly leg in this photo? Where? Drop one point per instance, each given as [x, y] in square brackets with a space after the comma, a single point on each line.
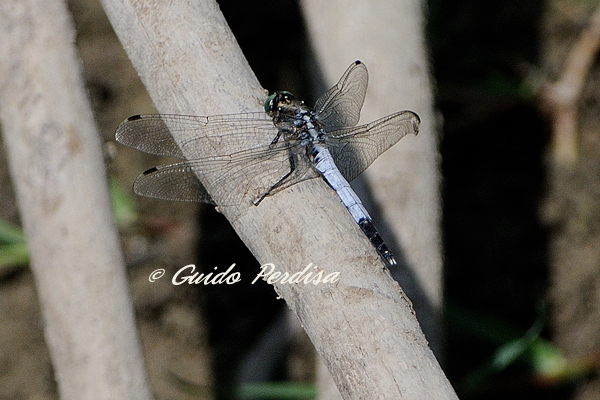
[278, 183]
[276, 138]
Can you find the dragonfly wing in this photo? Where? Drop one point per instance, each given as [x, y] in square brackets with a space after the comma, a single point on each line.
[215, 135]
[176, 182]
[148, 133]
[245, 177]
[340, 106]
[354, 149]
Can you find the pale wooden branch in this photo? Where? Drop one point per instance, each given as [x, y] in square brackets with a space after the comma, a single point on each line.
[562, 97]
[58, 171]
[363, 326]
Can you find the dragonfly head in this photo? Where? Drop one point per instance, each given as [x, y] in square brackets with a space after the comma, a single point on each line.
[277, 100]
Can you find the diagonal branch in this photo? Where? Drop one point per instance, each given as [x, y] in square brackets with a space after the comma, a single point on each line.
[363, 325]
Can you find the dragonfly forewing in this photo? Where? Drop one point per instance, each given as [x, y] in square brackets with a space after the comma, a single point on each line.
[196, 136]
[150, 134]
[340, 106]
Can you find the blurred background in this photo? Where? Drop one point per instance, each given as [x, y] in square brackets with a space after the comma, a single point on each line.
[520, 217]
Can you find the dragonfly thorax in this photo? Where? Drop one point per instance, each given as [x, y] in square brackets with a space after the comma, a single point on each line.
[310, 131]
[294, 119]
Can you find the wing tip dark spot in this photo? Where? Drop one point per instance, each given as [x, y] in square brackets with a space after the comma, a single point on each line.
[416, 122]
[417, 117]
[134, 117]
[150, 171]
[357, 62]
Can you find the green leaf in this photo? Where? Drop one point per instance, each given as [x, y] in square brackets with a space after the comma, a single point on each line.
[10, 233]
[13, 247]
[14, 254]
[124, 206]
[276, 390]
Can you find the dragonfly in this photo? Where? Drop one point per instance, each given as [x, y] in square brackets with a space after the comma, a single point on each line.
[243, 158]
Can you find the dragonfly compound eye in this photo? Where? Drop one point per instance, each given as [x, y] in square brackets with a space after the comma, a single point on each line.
[269, 107]
[277, 100]
[285, 98]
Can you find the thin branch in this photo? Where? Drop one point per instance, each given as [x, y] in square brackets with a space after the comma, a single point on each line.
[562, 97]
